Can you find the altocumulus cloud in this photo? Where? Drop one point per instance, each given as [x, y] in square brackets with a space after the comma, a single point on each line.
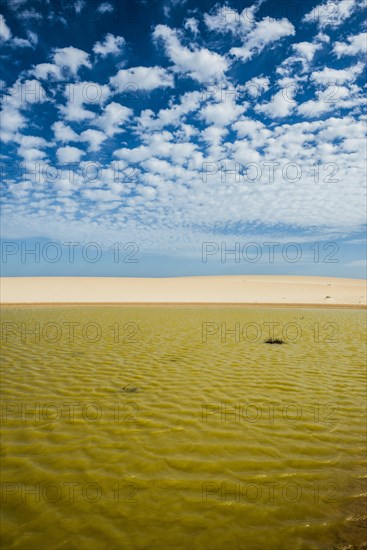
[200, 124]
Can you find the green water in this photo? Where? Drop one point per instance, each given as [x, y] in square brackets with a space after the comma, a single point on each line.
[154, 428]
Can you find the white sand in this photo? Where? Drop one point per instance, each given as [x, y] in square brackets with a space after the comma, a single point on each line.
[258, 289]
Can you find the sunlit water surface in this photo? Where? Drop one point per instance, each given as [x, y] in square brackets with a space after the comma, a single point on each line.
[153, 428]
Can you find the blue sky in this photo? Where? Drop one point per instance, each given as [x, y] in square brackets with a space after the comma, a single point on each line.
[175, 124]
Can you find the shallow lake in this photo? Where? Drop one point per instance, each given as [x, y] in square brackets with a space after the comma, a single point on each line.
[179, 427]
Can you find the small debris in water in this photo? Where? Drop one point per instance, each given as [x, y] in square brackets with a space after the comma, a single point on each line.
[130, 389]
[274, 341]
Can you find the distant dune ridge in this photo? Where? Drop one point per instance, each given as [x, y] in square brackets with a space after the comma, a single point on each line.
[239, 289]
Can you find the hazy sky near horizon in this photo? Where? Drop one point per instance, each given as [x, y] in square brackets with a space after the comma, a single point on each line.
[165, 125]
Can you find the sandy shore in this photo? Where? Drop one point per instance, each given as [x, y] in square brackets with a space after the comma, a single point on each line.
[237, 290]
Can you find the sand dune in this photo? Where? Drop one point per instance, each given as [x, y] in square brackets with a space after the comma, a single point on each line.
[258, 289]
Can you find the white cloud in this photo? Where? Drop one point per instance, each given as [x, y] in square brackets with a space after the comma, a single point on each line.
[323, 37]
[111, 45]
[95, 138]
[313, 108]
[79, 6]
[191, 24]
[336, 98]
[12, 120]
[25, 93]
[16, 42]
[332, 13]
[257, 86]
[168, 5]
[145, 78]
[31, 42]
[337, 76]
[222, 113]
[226, 19]
[306, 49]
[105, 7]
[24, 14]
[146, 191]
[281, 104]
[32, 37]
[31, 154]
[255, 35]
[20, 190]
[113, 117]
[137, 154]
[355, 44]
[202, 64]
[214, 135]
[20, 97]
[300, 62]
[29, 14]
[44, 71]
[266, 32]
[69, 154]
[64, 133]
[161, 145]
[5, 32]
[104, 195]
[79, 94]
[174, 115]
[65, 60]
[254, 131]
[31, 141]
[16, 4]
[71, 58]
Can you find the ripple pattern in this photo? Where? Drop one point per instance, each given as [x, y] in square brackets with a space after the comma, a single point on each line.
[172, 428]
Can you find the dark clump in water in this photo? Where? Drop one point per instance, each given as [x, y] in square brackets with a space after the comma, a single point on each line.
[274, 341]
[130, 389]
